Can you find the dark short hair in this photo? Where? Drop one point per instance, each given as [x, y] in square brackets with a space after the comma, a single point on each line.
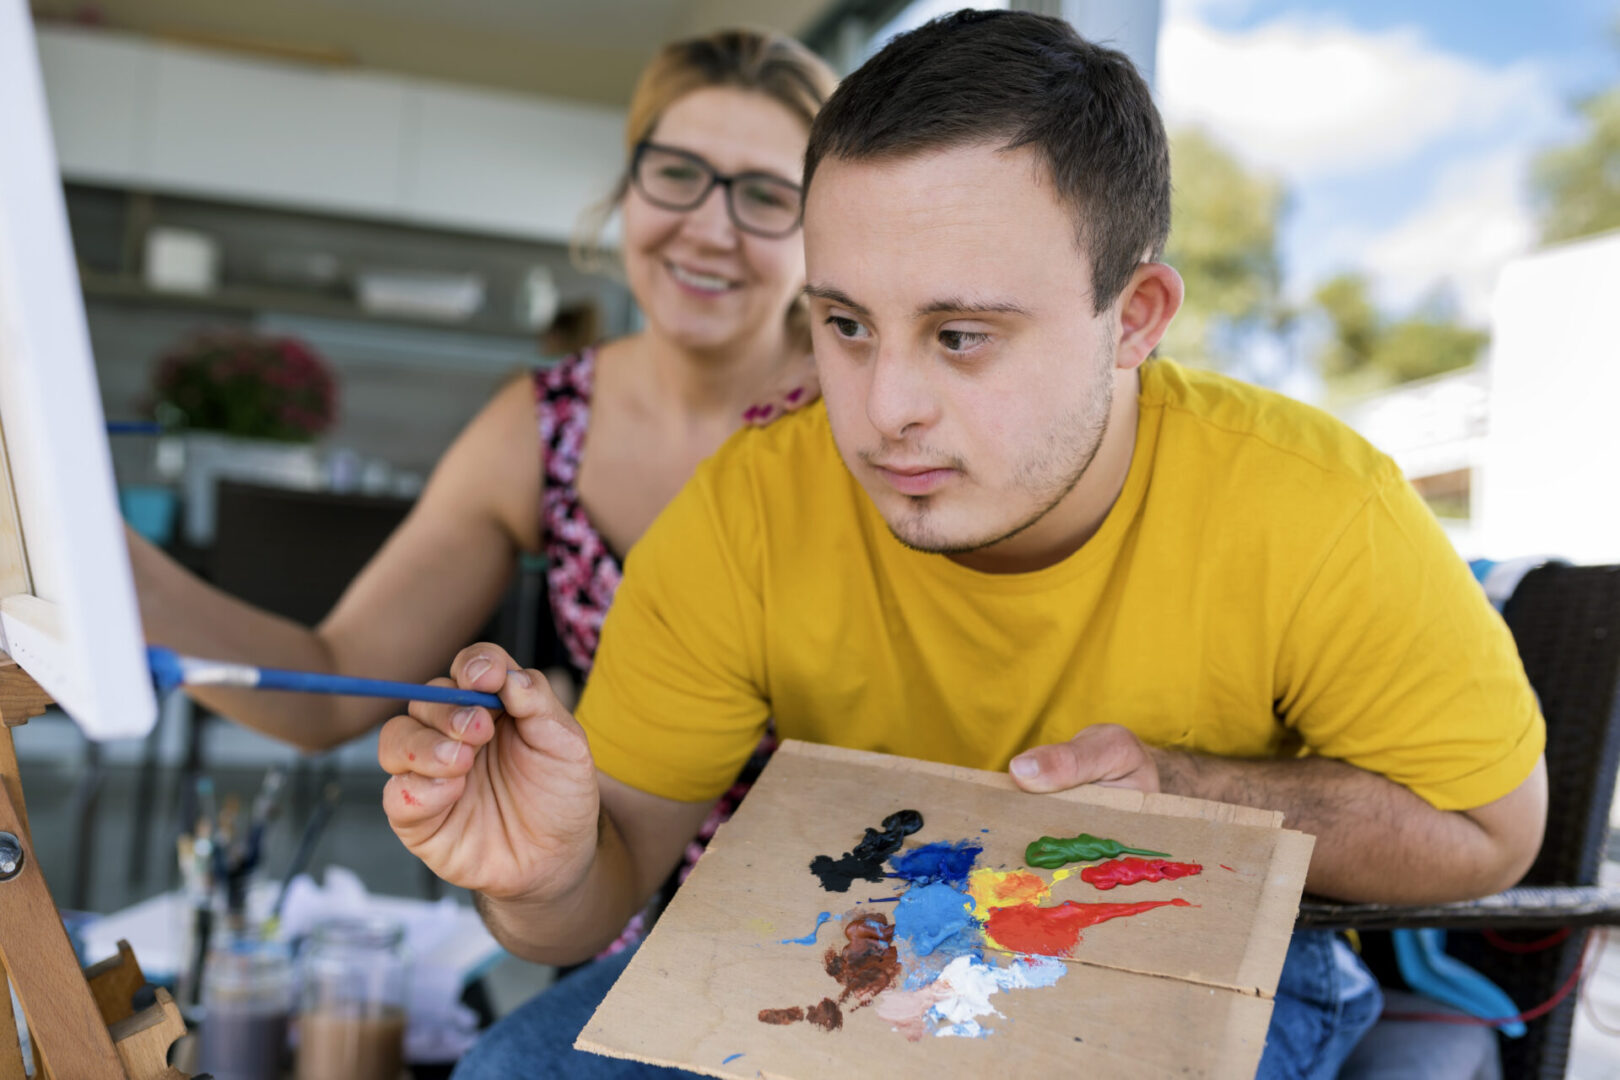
[1024, 80]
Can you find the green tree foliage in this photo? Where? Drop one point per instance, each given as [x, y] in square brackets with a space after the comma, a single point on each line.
[1578, 186]
[1367, 351]
[1356, 325]
[1223, 240]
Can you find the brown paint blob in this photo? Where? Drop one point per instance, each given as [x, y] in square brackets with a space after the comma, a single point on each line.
[865, 967]
[870, 963]
[781, 1016]
[825, 1015]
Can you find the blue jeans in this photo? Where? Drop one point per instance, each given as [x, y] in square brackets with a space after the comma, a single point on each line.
[1326, 1000]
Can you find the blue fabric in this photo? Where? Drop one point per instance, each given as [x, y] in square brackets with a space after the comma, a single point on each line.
[536, 1041]
[1326, 1000]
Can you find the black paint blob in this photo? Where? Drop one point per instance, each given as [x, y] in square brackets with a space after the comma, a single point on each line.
[865, 863]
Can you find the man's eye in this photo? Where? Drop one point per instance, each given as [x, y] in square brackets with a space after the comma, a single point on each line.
[961, 340]
[847, 328]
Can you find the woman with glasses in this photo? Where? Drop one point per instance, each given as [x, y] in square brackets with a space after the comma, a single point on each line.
[577, 460]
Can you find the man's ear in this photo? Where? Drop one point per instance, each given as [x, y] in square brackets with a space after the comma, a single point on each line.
[1150, 300]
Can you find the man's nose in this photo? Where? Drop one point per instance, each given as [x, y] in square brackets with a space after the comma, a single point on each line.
[899, 399]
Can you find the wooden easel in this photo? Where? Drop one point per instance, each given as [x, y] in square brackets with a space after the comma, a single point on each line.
[81, 1023]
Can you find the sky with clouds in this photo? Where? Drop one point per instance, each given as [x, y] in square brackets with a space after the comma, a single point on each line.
[1403, 130]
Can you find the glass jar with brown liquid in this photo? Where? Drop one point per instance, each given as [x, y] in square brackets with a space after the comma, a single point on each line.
[351, 1016]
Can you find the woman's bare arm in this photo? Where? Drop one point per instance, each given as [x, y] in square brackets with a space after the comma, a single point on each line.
[421, 597]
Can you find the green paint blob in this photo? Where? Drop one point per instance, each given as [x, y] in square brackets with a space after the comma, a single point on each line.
[1049, 852]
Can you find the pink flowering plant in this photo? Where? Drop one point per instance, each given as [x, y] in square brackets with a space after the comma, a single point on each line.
[242, 384]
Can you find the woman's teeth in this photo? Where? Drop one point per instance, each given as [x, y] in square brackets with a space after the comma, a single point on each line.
[706, 282]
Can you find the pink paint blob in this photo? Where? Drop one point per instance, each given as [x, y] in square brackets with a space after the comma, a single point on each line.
[907, 1010]
[1054, 931]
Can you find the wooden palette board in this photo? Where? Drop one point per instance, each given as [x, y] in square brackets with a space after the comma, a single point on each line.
[1173, 990]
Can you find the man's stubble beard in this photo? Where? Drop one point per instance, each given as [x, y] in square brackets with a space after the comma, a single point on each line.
[1050, 473]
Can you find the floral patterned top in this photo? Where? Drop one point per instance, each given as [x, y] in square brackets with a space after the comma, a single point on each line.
[583, 573]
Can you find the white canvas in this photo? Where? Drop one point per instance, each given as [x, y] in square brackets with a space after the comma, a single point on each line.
[68, 613]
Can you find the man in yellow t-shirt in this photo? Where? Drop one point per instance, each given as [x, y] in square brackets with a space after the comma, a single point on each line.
[1006, 539]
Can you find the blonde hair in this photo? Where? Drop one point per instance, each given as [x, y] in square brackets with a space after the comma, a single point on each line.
[760, 61]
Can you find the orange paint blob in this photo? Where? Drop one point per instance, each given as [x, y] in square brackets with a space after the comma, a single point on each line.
[1004, 888]
[1054, 931]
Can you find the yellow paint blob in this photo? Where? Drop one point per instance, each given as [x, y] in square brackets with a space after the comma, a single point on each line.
[1005, 888]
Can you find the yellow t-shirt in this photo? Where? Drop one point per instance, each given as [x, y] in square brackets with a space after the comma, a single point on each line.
[1266, 585]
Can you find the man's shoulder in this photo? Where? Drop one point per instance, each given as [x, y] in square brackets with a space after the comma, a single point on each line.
[792, 452]
[776, 481]
[1270, 433]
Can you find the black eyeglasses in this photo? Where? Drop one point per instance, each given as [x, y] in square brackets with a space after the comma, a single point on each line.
[758, 203]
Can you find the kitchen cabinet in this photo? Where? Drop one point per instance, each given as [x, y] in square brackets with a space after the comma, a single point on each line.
[146, 115]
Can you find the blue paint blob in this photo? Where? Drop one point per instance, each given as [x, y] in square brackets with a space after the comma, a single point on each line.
[730, 1059]
[939, 861]
[810, 938]
[937, 917]
[984, 830]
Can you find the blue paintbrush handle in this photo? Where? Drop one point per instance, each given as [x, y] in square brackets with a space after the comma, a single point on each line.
[170, 670]
[310, 682]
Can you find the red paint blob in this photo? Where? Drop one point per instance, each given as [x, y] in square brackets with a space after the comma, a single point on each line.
[411, 757]
[1130, 871]
[1054, 931]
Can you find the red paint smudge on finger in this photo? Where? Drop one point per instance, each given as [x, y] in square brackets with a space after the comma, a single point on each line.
[410, 800]
[410, 757]
[1054, 931]
[1129, 871]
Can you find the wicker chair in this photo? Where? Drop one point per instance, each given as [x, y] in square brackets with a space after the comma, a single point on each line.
[1566, 621]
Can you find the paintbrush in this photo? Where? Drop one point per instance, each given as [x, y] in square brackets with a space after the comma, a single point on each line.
[265, 806]
[203, 866]
[170, 670]
[306, 847]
